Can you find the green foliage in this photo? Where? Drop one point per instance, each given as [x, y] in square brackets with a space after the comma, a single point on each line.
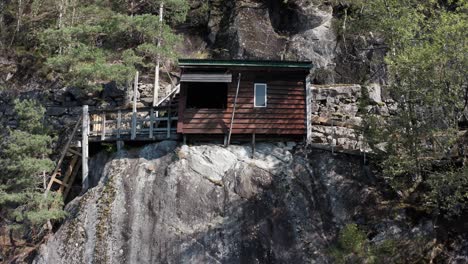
[23, 160]
[109, 147]
[449, 192]
[352, 246]
[107, 45]
[426, 62]
[88, 43]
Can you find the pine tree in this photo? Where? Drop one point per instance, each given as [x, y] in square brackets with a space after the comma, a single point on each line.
[23, 162]
[101, 41]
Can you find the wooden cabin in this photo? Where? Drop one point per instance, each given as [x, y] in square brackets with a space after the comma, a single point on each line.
[243, 97]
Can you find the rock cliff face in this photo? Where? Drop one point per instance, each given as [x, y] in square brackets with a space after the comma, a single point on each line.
[288, 30]
[166, 203]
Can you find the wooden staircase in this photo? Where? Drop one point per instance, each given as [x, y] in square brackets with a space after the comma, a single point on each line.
[71, 158]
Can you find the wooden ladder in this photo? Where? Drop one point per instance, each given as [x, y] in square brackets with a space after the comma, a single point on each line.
[65, 183]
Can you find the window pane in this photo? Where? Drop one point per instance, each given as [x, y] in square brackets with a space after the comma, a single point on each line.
[260, 95]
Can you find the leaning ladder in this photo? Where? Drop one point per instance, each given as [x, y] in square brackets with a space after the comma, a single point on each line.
[65, 183]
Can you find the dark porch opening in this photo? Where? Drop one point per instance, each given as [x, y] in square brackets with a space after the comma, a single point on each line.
[207, 95]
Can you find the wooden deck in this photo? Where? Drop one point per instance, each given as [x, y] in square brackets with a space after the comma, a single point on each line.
[147, 124]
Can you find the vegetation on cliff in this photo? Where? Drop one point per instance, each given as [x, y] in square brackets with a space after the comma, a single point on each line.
[426, 60]
[86, 44]
[24, 208]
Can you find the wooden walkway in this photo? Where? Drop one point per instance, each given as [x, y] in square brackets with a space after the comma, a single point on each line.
[147, 124]
[113, 125]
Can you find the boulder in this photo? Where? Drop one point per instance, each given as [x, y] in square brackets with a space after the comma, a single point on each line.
[375, 93]
[56, 111]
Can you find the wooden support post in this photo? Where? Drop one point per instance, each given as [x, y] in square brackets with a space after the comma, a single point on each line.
[169, 118]
[158, 57]
[68, 173]
[225, 139]
[73, 176]
[119, 123]
[184, 139]
[119, 127]
[103, 124]
[333, 138]
[309, 104]
[134, 125]
[134, 111]
[64, 152]
[151, 123]
[84, 148]
[120, 145]
[234, 110]
[253, 145]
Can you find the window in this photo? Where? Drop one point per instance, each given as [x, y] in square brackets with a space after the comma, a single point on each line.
[207, 95]
[260, 94]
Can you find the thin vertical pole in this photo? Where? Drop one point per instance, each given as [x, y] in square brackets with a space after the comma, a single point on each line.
[134, 111]
[234, 110]
[253, 145]
[169, 118]
[119, 123]
[84, 148]
[103, 129]
[158, 58]
[333, 137]
[309, 102]
[151, 123]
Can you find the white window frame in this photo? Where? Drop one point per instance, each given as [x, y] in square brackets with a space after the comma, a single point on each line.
[255, 93]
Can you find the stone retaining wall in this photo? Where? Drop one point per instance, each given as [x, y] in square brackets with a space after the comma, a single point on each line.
[338, 111]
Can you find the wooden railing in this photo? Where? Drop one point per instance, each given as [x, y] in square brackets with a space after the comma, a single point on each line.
[155, 123]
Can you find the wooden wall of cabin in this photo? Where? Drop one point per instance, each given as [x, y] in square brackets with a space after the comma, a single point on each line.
[285, 113]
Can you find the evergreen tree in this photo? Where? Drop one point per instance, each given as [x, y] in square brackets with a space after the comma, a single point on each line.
[23, 162]
[102, 41]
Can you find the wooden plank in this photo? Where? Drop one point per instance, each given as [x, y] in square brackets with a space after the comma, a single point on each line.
[271, 81]
[299, 121]
[253, 145]
[64, 152]
[72, 179]
[309, 102]
[255, 115]
[129, 110]
[84, 148]
[270, 97]
[247, 131]
[119, 123]
[271, 89]
[245, 126]
[234, 110]
[134, 125]
[74, 152]
[68, 173]
[274, 88]
[270, 106]
[271, 101]
[103, 131]
[134, 109]
[169, 121]
[151, 124]
[135, 92]
[247, 111]
[182, 104]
